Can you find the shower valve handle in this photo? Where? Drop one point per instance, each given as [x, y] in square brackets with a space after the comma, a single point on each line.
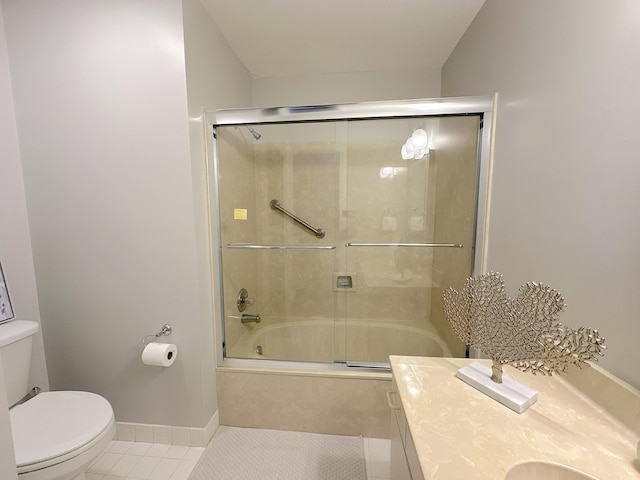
[243, 300]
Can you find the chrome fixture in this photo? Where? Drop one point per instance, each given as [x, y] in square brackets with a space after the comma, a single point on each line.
[166, 330]
[395, 108]
[318, 232]
[251, 246]
[255, 134]
[450, 245]
[344, 281]
[32, 393]
[248, 318]
[243, 301]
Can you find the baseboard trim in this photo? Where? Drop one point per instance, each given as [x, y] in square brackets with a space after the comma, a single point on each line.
[168, 434]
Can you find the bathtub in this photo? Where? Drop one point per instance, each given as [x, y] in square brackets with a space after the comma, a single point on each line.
[326, 341]
[299, 380]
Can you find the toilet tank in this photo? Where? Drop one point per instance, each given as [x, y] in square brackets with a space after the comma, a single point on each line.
[16, 338]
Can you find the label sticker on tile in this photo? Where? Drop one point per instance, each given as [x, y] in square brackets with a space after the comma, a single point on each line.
[239, 213]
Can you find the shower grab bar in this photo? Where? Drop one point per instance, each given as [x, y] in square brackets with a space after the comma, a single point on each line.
[450, 245]
[280, 247]
[318, 232]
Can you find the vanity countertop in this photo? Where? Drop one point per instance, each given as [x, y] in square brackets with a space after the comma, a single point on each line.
[460, 433]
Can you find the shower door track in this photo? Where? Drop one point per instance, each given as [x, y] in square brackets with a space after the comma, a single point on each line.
[385, 366]
[346, 111]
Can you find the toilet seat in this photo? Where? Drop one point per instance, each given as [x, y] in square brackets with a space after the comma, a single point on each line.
[54, 427]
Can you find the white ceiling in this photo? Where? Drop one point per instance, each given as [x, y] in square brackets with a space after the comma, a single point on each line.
[281, 38]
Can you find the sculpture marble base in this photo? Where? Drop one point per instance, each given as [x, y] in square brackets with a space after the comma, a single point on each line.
[515, 395]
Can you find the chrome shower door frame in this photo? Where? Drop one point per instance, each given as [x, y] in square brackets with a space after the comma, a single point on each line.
[484, 106]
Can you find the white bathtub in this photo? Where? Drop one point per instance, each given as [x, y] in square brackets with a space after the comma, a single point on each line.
[326, 341]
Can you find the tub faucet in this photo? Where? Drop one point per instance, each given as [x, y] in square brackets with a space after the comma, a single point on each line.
[248, 318]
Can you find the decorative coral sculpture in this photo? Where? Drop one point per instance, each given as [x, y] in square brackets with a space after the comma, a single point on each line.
[523, 332]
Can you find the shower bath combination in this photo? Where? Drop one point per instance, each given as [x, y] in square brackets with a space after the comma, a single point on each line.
[301, 220]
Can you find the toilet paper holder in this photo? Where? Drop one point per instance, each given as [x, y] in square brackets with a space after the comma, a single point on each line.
[166, 330]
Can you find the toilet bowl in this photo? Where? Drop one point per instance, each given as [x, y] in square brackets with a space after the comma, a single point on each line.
[56, 435]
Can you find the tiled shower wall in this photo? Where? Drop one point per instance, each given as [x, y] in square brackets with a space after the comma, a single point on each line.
[304, 177]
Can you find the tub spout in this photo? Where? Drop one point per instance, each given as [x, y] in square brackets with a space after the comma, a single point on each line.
[247, 318]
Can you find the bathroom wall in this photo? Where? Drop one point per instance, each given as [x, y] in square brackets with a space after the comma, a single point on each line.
[566, 185]
[346, 87]
[14, 239]
[15, 250]
[102, 112]
[215, 79]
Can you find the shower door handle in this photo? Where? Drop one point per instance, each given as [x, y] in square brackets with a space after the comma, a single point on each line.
[251, 246]
[432, 245]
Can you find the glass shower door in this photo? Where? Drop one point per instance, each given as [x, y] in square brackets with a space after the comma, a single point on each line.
[335, 245]
[278, 195]
[410, 234]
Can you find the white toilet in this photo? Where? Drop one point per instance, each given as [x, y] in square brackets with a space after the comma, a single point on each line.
[56, 435]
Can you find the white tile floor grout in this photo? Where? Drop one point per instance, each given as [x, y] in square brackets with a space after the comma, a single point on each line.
[155, 461]
[144, 461]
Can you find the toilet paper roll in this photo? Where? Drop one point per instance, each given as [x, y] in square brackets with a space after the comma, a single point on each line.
[159, 354]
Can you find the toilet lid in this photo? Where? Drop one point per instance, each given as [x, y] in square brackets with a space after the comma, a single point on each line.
[53, 424]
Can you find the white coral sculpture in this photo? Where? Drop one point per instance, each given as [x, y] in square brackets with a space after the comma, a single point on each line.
[522, 332]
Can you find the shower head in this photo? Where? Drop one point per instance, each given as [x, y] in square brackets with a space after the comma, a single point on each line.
[255, 134]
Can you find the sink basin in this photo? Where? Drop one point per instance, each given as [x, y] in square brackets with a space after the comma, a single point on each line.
[546, 471]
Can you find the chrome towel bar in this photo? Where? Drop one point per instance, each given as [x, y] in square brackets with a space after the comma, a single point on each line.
[450, 245]
[280, 247]
[318, 232]
[332, 247]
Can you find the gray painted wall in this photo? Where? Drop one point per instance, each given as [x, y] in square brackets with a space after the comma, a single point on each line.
[215, 79]
[15, 243]
[346, 87]
[115, 214]
[566, 186]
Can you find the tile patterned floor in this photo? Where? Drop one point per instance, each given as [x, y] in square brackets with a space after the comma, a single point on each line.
[155, 461]
[144, 461]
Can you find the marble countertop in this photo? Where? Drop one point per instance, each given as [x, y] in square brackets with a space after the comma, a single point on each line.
[460, 433]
